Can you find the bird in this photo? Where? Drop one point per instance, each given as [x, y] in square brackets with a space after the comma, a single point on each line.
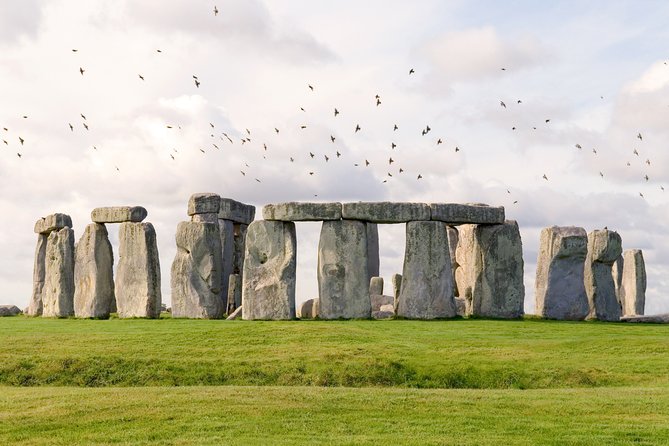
[628, 164]
[82, 115]
[578, 146]
[197, 83]
[662, 187]
[419, 177]
[171, 156]
[311, 173]
[326, 158]
[276, 130]
[636, 152]
[302, 108]
[332, 138]
[366, 163]
[311, 154]
[439, 141]
[229, 139]
[117, 169]
[457, 149]
[545, 177]
[71, 126]
[74, 50]
[81, 70]
[264, 146]
[395, 127]
[601, 174]
[292, 159]
[311, 87]
[85, 125]
[336, 112]
[248, 132]
[502, 104]
[646, 177]
[640, 194]
[401, 170]
[391, 160]
[217, 148]
[390, 174]
[357, 128]
[519, 101]
[594, 151]
[640, 137]
[18, 154]
[378, 102]
[513, 128]
[258, 180]
[202, 150]
[5, 141]
[158, 51]
[242, 172]
[503, 69]
[648, 161]
[21, 140]
[412, 71]
[211, 125]
[140, 76]
[338, 154]
[303, 127]
[215, 11]
[515, 202]
[547, 121]
[393, 145]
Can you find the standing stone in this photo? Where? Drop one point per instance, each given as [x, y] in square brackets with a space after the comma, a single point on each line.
[93, 273]
[604, 247]
[35, 306]
[58, 293]
[238, 256]
[234, 292]
[308, 309]
[396, 280]
[559, 287]
[490, 276]
[226, 228]
[196, 272]
[373, 262]
[205, 218]
[452, 234]
[270, 264]
[138, 273]
[427, 280]
[617, 273]
[376, 285]
[633, 289]
[343, 270]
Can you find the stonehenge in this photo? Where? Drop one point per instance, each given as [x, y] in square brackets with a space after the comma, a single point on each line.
[633, 283]
[93, 273]
[58, 292]
[604, 247]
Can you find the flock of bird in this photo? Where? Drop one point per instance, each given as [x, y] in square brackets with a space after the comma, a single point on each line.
[245, 137]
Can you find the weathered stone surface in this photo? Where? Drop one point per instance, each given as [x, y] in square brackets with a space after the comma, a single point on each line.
[237, 314]
[236, 211]
[376, 285]
[343, 275]
[379, 300]
[9, 310]
[633, 288]
[204, 203]
[58, 292]
[382, 314]
[460, 307]
[238, 255]
[301, 211]
[559, 287]
[269, 271]
[650, 319]
[387, 307]
[226, 229]
[470, 213]
[452, 235]
[197, 272]
[137, 288]
[211, 217]
[234, 293]
[490, 277]
[52, 222]
[386, 212]
[396, 280]
[35, 305]
[308, 309]
[604, 247]
[118, 214]
[93, 273]
[427, 280]
[373, 262]
[617, 273]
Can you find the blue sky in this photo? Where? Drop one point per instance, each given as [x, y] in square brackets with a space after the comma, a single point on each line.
[595, 69]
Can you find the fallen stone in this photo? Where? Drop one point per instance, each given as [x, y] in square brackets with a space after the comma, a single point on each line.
[604, 247]
[197, 272]
[396, 281]
[383, 314]
[385, 212]
[226, 229]
[379, 300]
[633, 287]
[427, 280]
[58, 292]
[343, 275]
[452, 234]
[137, 288]
[9, 310]
[270, 264]
[650, 319]
[372, 249]
[388, 307]
[492, 276]
[376, 285]
[53, 222]
[470, 213]
[236, 211]
[559, 285]
[211, 217]
[617, 273]
[118, 214]
[35, 305]
[237, 314]
[93, 273]
[234, 293]
[296, 211]
[204, 203]
[308, 309]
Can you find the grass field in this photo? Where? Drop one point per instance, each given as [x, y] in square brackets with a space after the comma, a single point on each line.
[350, 382]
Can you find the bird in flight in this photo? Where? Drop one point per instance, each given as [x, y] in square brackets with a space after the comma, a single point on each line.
[311, 87]
[412, 71]
[311, 154]
[336, 112]
[640, 137]
[419, 177]
[276, 130]
[71, 126]
[74, 50]
[393, 145]
[140, 76]
[332, 138]
[395, 127]
[578, 146]
[85, 125]
[502, 104]
[81, 70]
[21, 140]
[357, 128]
[636, 152]
[439, 141]
[391, 160]
[215, 11]
[545, 177]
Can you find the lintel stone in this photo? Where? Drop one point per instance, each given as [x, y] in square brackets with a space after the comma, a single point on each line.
[295, 211]
[470, 213]
[236, 211]
[119, 214]
[386, 212]
[203, 203]
[52, 222]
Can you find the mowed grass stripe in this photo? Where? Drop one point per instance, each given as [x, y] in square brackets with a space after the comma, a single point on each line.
[489, 354]
[313, 415]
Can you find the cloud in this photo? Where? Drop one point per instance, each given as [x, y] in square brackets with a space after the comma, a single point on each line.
[19, 20]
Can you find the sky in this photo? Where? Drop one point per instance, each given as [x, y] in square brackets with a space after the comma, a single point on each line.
[584, 85]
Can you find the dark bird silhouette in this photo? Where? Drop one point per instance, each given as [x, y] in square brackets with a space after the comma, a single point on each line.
[168, 126]
[412, 71]
[74, 50]
[140, 76]
[640, 137]
[211, 125]
[578, 146]
[648, 161]
[5, 141]
[18, 154]
[81, 70]
[366, 163]
[401, 170]
[21, 140]
[513, 128]
[547, 121]
[601, 174]
[336, 112]
[390, 160]
[594, 151]
[515, 202]
[292, 159]
[276, 130]
[389, 174]
[628, 164]
[117, 169]
[258, 180]
[248, 132]
[332, 138]
[159, 51]
[338, 154]
[171, 156]
[636, 152]
[457, 149]
[662, 187]
[302, 108]
[202, 150]
[242, 172]
[303, 127]
[502, 104]
[640, 194]
[311, 154]
[646, 177]
[378, 102]
[393, 145]
[71, 127]
[503, 69]
[215, 11]
[85, 125]
[419, 177]
[545, 177]
[395, 127]
[311, 173]
[311, 87]
[439, 141]
[229, 139]
[326, 158]
[357, 128]
[197, 83]
[82, 115]
[519, 101]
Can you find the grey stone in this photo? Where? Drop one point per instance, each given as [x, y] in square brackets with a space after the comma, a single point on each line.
[236, 211]
[492, 273]
[604, 247]
[617, 273]
[204, 203]
[53, 222]
[452, 234]
[234, 290]
[308, 309]
[382, 314]
[633, 288]
[386, 212]
[470, 213]
[237, 314]
[372, 249]
[343, 275]
[396, 280]
[387, 307]
[9, 310]
[559, 287]
[460, 307]
[650, 319]
[238, 255]
[301, 211]
[58, 292]
[118, 214]
[211, 217]
[427, 280]
[93, 273]
[379, 300]
[196, 272]
[137, 288]
[226, 229]
[270, 264]
[376, 285]
[35, 306]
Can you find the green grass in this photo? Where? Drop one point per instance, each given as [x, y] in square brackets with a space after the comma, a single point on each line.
[445, 354]
[316, 415]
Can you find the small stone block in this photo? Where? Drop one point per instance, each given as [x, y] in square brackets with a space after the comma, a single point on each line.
[203, 203]
[52, 222]
[119, 214]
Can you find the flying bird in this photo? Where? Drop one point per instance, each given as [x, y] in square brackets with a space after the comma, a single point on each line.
[336, 112]
[82, 115]
[74, 50]
[85, 125]
[21, 140]
[332, 138]
[366, 163]
[393, 145]
[311, 87]
[439, 141]
[502, 104]
[197, 83]
[578, 146]
[71, 126]
[640, 137]
[636, 152]
[412, 71]
[276, 130]
[215, 11]
[357, 128]
[311, 154]
[395, 127]
[545, 177]
[140, 76]
[338, 154]
[81, 70]
[419, 177]
[390, 160]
